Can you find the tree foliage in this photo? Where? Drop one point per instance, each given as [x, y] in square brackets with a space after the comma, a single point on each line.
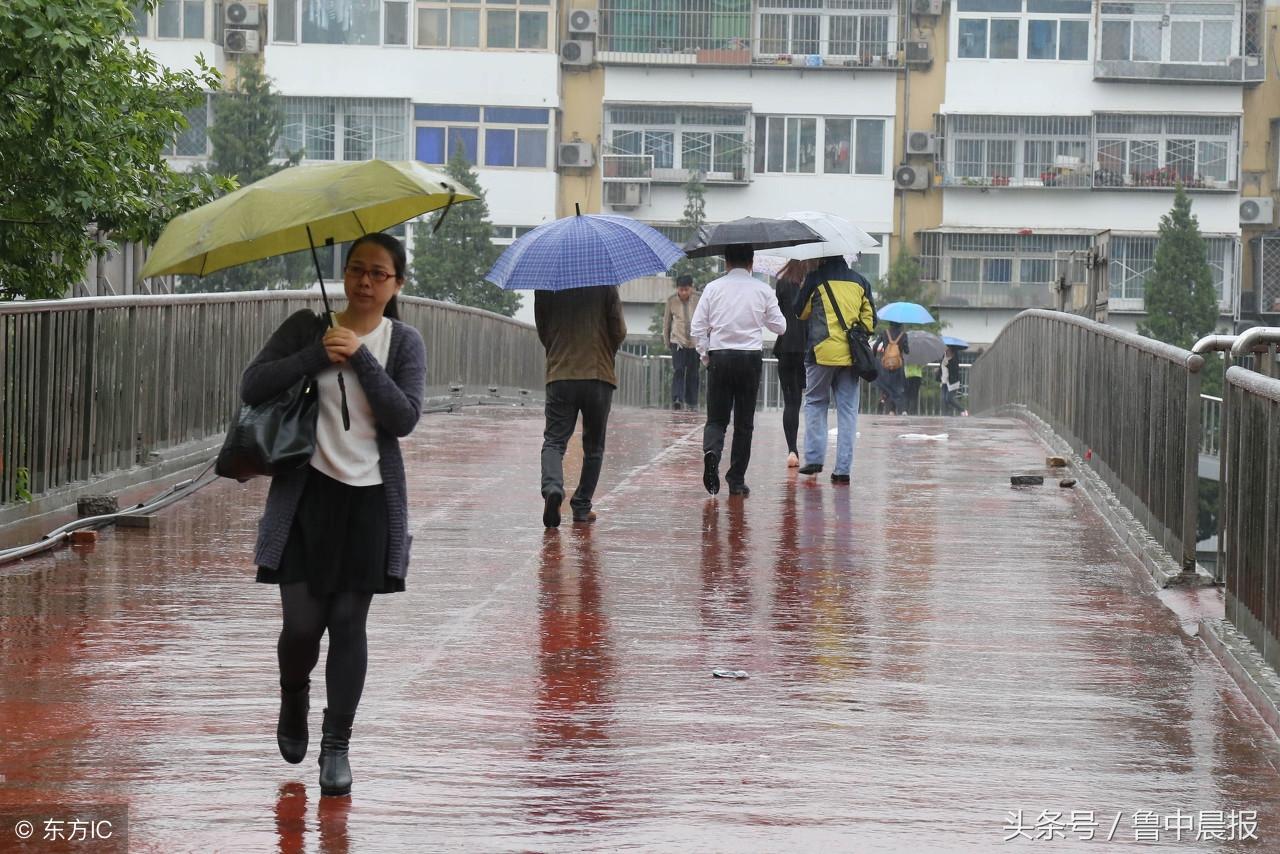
[247, 122]
[1181, 302]
[85, 116]
[449, 264]
[702, 270]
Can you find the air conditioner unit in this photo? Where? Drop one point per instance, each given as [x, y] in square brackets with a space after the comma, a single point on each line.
[926, 7]
[577, 52]
[921, 142]
[1257, 211]
[584, 22]
[240, 15]
[907, 177]
[575, 155]
[919, 53]
[240, 41]
[623, 194]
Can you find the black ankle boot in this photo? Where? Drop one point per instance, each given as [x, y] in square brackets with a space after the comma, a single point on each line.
[335, 770]
[291, 731]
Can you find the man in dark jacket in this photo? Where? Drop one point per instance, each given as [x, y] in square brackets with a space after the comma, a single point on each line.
[581, 330]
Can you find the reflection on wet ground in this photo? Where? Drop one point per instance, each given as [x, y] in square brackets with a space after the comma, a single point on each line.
[928, 651]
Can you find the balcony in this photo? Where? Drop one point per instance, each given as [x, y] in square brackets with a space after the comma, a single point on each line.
[627, 180]
[1064, 173]
[1180, 42]
[995, 295]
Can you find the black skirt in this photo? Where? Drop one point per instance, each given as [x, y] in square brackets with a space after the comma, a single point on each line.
[338, 541]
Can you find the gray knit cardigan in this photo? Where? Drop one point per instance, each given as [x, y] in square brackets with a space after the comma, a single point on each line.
[395, 395]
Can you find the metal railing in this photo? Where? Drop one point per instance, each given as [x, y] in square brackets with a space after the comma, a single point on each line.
[1210, 424]
[93, 386]
[1132, 403]
[1251, 551]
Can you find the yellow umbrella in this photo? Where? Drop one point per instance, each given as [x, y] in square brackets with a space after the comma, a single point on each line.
[299, 208]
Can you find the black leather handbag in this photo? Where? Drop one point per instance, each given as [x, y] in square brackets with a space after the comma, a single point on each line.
[272, 437]
[864, 363]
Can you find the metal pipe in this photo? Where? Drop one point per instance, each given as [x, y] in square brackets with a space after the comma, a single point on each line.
[1255, 340]
[1214, 344]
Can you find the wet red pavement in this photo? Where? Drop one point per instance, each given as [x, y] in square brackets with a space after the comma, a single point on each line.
[928, 653]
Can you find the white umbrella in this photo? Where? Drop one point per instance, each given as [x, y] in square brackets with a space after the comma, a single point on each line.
[840, 237]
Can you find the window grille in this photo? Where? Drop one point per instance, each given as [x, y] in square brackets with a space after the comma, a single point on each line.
[681, 139]
[1132, 257]
[995, 269]
[1195, 32]
[1267, 280]
[1015, 151]
[346, 128]
[1164, 150]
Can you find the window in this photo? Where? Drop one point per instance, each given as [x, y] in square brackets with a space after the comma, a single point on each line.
[194, 140]
[501, 137]
[504, 235]
[986, 37]
[868, 263]
[1132, 258]
[141, 20]
[681, 139]
[355, 22]
[996, 270]
[862, 29]
[1180, 31]
[175, 19]
[1061, 40]
[1055, 29]
[346, 128]
[853, 146]
[786, 144]
[1165, 150]
[1016, 151]
[491, 24]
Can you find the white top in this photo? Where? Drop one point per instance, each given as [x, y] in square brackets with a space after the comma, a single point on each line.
[350, 456]
[733, 313]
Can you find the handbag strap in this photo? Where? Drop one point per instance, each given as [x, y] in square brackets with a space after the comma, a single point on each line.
[835, 305]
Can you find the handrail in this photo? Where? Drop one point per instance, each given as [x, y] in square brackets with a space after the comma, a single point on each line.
[1213, 344]
[1251, 339]
[1128, 404]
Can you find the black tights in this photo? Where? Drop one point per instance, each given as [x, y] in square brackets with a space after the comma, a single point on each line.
[791, 378]
[305, 619]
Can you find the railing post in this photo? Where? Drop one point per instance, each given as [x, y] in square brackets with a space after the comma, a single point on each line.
[1191, 465]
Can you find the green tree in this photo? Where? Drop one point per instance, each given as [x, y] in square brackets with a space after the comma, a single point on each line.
[247, 122]
[1181, 302]
[85, 117]
[449, 264]
[702, 270]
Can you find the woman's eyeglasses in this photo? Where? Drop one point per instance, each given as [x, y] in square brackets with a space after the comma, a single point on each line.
[375, 276]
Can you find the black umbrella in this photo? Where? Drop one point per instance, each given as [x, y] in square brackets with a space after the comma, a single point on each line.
[752, 231]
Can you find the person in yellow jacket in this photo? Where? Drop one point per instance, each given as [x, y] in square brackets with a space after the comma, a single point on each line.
[828, 363]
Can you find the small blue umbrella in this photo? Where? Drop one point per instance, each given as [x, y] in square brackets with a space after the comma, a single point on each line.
[958, 343]
[583, 251]
[905, 312]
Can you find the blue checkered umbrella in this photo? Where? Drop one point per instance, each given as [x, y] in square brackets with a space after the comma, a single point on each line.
[583, 251]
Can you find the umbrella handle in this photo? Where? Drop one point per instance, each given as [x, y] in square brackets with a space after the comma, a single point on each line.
[328, 315]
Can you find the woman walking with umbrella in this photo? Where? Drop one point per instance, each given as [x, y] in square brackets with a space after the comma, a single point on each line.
[335, 532]
[789, 349]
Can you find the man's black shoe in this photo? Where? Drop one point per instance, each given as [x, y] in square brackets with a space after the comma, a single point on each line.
[839, 478]
[711, 472]
[551, 509]
[740, 489]
[810, 468]
[677, 406]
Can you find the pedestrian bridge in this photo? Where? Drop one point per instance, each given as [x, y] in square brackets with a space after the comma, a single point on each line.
[936, 660]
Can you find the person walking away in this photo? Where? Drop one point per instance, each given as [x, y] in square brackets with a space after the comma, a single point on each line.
[335, 532]
[728, 329]
[829, 364]
[581, 330]
[789, 349]
[950, 376]
[915, 376]
[684, 356]
[891, 348]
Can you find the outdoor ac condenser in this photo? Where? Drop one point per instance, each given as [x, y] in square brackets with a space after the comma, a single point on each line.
[623, 194]
[240, 41]
[919, 52]
[921, 142]
[907, 177]
[584, 22]
[575, 155]
[1257, 211]
[577, 52]
[240, 15]
[926, 7]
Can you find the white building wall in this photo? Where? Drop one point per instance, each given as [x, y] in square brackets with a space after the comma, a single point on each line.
[1119, 210]
[181, 54]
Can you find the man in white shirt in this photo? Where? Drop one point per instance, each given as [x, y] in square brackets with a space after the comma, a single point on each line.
[728, 330]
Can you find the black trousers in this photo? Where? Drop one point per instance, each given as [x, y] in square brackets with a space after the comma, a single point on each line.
[684, 377]
[733, 384]
[791, 378]
[566, 399]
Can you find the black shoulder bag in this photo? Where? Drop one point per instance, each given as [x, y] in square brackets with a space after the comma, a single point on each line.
[273, 437]
[864, 364]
